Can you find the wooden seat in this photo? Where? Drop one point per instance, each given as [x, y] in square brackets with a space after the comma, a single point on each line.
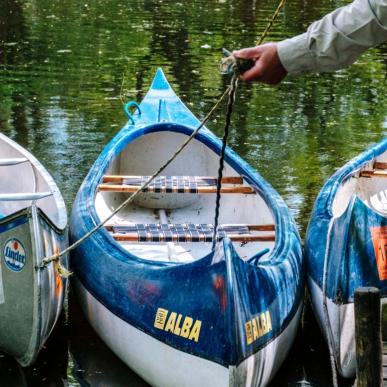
[188, 232]
[174, 184]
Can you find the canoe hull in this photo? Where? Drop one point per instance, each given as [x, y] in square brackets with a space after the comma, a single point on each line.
[31, 299]
[342, 246]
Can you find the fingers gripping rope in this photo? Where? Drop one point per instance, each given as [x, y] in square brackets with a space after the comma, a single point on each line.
[230, 64]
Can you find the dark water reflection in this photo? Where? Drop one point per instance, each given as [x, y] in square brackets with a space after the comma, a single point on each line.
[66, 66]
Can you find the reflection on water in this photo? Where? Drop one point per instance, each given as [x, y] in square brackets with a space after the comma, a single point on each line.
[66, 66]
[93, 364]
[50, 369]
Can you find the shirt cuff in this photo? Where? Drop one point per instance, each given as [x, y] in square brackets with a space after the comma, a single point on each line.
[295, 56]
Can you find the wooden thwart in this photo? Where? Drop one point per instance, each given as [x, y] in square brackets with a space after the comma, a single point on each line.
[134, 237]
[174, 184]
[380, 170]
[373, 173]
[199, 190]
[379, 165]
[122, 178]
[188, 232]
[251, 227]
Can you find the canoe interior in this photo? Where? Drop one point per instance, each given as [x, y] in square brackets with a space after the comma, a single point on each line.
[28, 177]
[144, 156]
[371, 190]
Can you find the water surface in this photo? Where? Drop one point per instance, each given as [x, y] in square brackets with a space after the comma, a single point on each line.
[66, 67]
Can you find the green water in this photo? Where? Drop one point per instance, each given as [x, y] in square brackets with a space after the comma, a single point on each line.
[66, 66]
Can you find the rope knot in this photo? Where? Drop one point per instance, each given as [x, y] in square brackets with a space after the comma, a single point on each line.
[233, 65]
[60, 270]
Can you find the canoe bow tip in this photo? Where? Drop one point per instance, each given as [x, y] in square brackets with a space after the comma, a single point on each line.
[160, 81]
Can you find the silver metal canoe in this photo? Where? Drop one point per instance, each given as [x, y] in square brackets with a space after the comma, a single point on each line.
[33, 225]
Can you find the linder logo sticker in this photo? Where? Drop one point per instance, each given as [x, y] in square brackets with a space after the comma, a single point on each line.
[379, 240]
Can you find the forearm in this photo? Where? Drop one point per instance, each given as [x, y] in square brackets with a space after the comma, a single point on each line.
[336, 40]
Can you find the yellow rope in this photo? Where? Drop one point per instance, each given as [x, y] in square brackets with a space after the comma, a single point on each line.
[271, 22]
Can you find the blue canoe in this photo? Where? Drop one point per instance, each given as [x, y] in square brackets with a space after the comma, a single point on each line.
[173, 310]
[345, 246]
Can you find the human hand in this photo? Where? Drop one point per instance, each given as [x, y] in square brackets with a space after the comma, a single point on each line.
[268, 67]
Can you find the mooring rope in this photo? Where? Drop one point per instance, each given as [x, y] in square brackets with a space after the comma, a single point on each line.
[231, 100]
[271, 22]
[231, 89]
[230, 104]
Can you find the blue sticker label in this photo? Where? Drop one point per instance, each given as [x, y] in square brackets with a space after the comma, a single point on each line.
[14, 254]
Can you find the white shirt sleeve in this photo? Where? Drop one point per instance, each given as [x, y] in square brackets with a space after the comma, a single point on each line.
[336, 40]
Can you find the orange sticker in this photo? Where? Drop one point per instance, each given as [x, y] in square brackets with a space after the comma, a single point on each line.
[379, 240]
